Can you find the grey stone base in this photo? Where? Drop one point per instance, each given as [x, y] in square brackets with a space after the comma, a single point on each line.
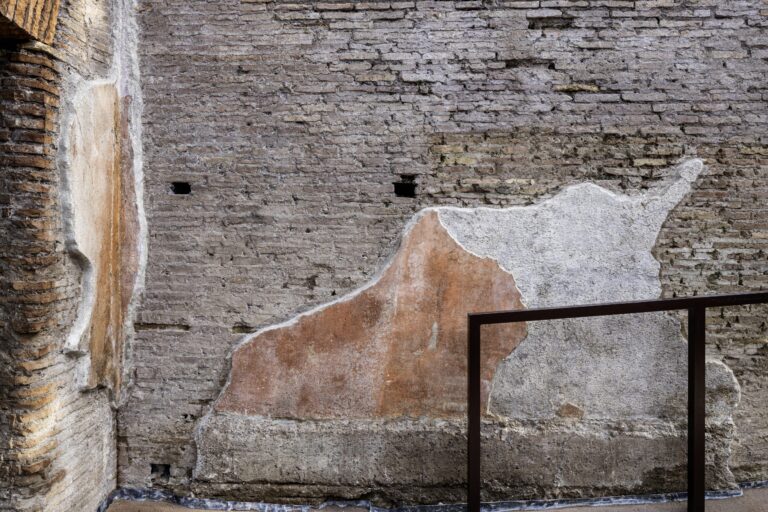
[421, 461]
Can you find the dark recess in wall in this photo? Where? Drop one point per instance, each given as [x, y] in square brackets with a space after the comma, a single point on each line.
[181, 188]
[543, 23]
[160, 471]
[406, 187]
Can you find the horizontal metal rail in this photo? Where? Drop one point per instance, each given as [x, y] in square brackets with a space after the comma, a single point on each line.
[696, 307]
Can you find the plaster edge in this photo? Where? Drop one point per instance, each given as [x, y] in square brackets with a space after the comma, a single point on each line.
[293, 320]
[124, 75]
[680, 186]
[125, 26]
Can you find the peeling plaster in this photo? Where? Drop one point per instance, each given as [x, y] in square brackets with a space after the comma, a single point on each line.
[129, 86]
[397, 348]
[88, 116]
[584, 245]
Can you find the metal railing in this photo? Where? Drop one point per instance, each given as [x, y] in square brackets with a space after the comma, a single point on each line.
[696, 307]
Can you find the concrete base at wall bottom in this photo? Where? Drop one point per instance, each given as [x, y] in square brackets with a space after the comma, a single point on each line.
[247, 458]
[753, 500]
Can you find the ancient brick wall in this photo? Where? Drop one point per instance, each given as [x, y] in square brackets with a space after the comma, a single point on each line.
[35, 284]
[22, 19]
[274, 131]
[57, 439]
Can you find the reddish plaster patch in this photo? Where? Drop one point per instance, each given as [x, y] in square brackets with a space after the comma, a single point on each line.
[397, 348]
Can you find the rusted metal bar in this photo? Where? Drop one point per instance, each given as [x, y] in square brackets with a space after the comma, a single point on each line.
[696, 307]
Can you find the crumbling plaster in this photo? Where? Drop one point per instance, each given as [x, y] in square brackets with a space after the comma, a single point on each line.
[289, 121]
[102, 205]
[617, 382]
[65, 141]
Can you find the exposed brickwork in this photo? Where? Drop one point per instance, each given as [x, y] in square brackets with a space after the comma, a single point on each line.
[84, 39]
[57, 450]
[717, 243]
[22, 19]
[35, 286]
[291, 120]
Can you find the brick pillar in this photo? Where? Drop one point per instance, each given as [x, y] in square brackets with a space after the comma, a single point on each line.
[36, 295]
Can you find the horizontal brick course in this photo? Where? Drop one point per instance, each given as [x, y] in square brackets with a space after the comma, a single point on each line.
[47, 426]
[291, 121]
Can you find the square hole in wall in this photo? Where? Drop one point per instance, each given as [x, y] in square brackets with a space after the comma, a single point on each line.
[406, 187]
[160, 471]
[181, 188]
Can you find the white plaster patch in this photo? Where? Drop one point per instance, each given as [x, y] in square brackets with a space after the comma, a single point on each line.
[587, 245]
[627, 373]
[91, 143]
[432, 344]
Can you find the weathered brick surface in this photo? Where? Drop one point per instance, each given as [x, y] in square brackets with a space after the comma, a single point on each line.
[46, 422]
[34, 289]
[716, 243]
[22, 19]
[57, 448]
[291, 120]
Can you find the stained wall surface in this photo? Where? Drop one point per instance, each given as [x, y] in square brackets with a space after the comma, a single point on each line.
[397, 348]
[57, 433]
[101, 210]
[615, 386]
[290, 121]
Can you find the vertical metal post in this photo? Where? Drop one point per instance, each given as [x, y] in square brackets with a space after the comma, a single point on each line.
[696, 307]
[696, 407]
[473, 418]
